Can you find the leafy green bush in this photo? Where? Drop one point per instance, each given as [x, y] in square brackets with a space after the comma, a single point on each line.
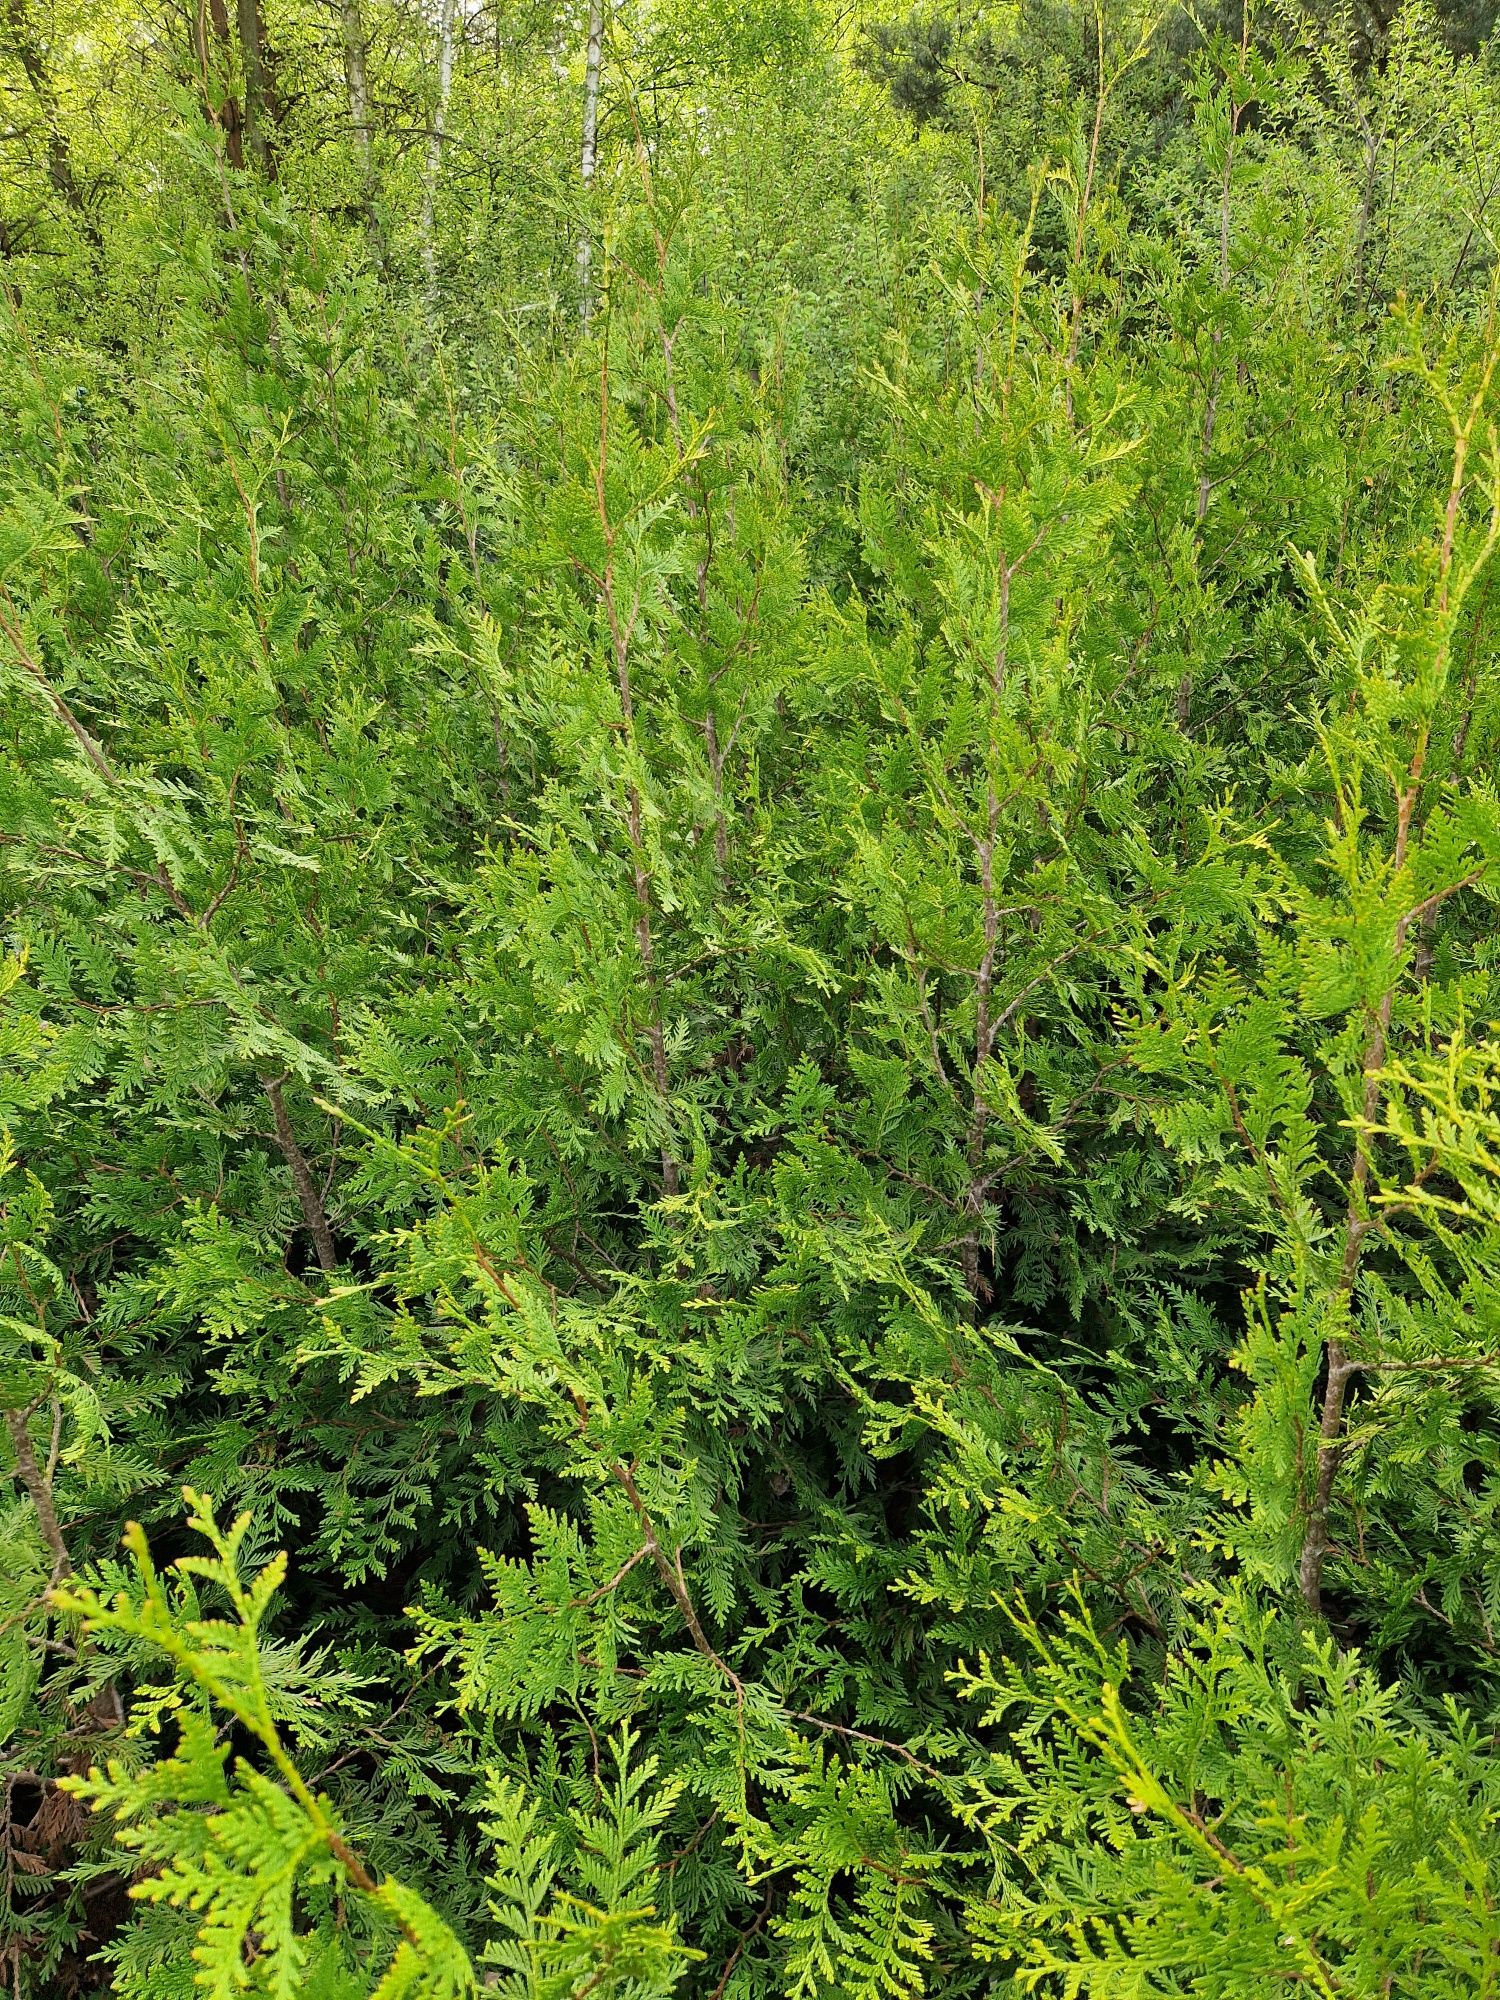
[748, 986]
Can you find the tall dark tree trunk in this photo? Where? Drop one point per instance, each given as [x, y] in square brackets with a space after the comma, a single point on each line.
[260, 90]
[64, 181]
[221, 104]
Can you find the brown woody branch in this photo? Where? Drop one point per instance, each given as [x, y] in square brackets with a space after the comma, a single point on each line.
[313, 1212]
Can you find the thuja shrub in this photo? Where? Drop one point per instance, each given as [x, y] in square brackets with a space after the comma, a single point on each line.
[749, 1198]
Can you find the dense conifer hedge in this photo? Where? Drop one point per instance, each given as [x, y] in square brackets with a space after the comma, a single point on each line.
[750, 1107]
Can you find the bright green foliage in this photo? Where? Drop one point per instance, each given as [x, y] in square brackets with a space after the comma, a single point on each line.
[240, 1849]
[749, 983]
[1270, 1817]
[248, 1850]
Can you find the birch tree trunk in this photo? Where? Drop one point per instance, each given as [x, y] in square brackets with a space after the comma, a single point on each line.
[593, 63]
[357, 83]
[447, 23]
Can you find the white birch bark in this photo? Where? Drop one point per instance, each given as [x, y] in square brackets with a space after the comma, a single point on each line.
[593, 63]
[447, 27]
[357, 83]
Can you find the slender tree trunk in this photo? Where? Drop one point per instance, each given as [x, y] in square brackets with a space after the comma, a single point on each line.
[447, 25]
[698, 507]
[223, 110]
[635, 818]
[260, 97]
[59, 151]
[38, 1484]
[1184, 701]
[1216, 373]
[984, 1048]
[313, 1212]
[640, 881]
[716, 772]
[593, 65]
[105, 1709]
[357, 81]
[1340, 1368]
[985, 1025]
[1372, 142]
[1085, 202]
